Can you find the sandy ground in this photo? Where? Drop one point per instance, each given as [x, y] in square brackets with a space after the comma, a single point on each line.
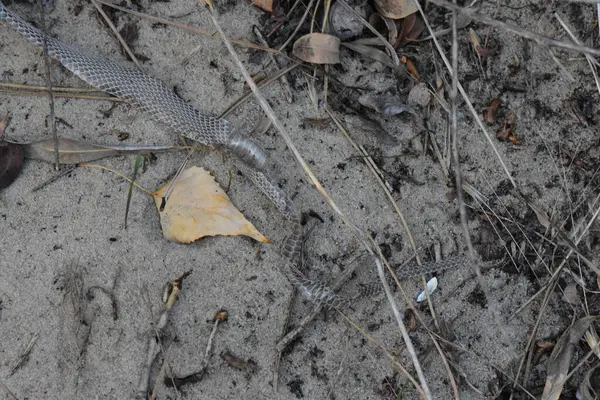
[58, 242]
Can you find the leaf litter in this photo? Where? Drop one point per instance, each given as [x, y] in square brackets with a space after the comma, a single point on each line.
[198, 207]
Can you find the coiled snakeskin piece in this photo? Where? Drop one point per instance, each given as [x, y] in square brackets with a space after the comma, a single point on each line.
[314, 291]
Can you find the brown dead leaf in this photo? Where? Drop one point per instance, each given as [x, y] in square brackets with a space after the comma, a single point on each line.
[492, 111]
[396, 9]
[318, 48]
[542, 347]
[266, 5]
[11, 163]
[412, 27]
[198, 207]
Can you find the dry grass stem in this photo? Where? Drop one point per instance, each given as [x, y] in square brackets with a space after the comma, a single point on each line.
[289, 39]
[61, 95]
[285, 85]
[117, 35]
[8, 392]
[55, 89]
[360, 235]
[540, 39]
[589, 58]
[187, 28]
[49, 91]
[263, 83]
[388, 46]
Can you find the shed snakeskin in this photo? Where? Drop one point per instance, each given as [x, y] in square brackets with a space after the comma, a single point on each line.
[163, 105]
[160, 103]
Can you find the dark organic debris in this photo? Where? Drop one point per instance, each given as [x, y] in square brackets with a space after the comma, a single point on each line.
[492, 111]
[236, 362]
[11, 163]
[507, 132]
[177, 382]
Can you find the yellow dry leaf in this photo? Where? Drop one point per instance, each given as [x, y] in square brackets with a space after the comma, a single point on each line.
[198, 207]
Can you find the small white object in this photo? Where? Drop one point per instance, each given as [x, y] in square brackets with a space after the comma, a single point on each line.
[431, 286]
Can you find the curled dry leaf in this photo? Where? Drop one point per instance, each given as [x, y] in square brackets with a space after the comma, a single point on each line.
[479, 49]
[236, 362]
[560, 359]
[11, 163]
[396, 9]
[371, 52]
[318, 48]
[412, 27]
[492, 111]
[198, 207]
[399, 33]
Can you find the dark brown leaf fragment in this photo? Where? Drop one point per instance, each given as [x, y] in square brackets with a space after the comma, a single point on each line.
[412, 27]
[11, 163]
[492, 111]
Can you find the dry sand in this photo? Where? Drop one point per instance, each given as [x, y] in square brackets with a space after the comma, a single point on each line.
[58, 242]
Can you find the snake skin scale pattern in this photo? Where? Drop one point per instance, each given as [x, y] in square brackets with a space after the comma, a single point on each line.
[314, 291]
[159, 102]
[163, 105]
